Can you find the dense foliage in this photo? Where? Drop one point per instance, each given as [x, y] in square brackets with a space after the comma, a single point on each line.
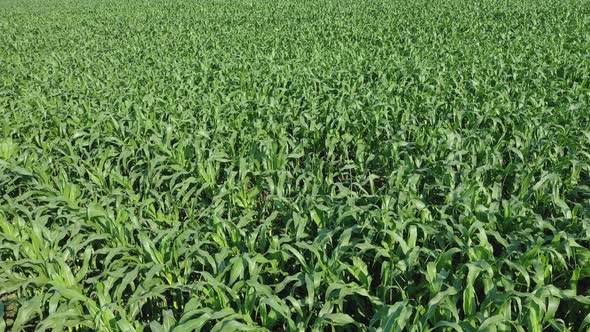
[293, 165]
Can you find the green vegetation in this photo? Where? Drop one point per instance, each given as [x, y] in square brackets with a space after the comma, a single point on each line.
[295, 165]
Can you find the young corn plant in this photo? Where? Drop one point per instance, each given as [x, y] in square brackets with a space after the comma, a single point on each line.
[294, 165]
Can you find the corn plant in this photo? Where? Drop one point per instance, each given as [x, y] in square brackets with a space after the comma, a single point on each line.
[294, 165]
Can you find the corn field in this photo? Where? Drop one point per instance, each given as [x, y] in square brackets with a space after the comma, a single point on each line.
[295, 165]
